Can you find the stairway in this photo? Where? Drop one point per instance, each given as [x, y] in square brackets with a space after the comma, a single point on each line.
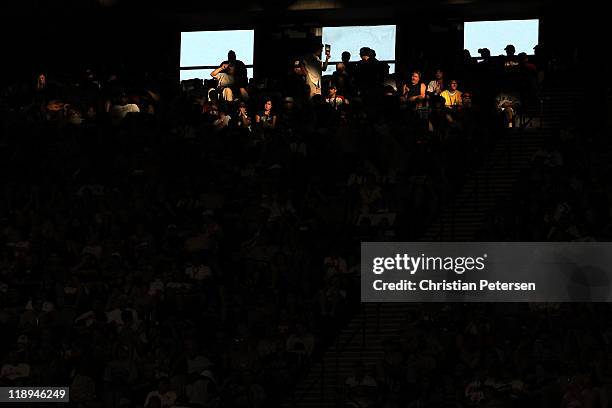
[361, 341]
[494, 181]
[459, 221]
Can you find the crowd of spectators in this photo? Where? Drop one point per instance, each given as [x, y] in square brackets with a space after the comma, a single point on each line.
[513, 355]
[501, 355]
[199, 245]
[564, 195]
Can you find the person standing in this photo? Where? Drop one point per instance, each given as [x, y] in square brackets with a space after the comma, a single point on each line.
[341, 79]
[313, 68]
[510, 60]
[295, 83]
[348, 65]
[369, 75]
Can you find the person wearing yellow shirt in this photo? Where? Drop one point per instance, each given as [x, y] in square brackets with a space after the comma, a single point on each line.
[452, 96]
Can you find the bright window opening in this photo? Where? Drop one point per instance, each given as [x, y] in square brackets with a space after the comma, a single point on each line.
[380, 38]
[496, 35]
[204, 51]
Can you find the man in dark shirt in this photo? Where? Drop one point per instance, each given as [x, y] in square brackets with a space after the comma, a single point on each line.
[348, 65]
[341, 79]
[295, 84]
[369, 74]
[510, 60]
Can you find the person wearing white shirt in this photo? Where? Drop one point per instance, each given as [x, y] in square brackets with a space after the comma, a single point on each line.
[222, 122]
[436, 86]
[121, 109]
[313, 68]
[225, 76]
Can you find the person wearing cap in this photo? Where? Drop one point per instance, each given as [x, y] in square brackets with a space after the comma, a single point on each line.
[510, 59]
[539, 56]
[289, 118]
[369, 74]
[485, 55]
[334, 99]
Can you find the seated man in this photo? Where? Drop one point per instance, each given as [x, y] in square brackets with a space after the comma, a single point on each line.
[333, 99]
[413, 93]
[452, 96]
[225, 76]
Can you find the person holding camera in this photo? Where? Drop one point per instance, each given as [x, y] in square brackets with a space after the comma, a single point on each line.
[225, 75]
[313, 68]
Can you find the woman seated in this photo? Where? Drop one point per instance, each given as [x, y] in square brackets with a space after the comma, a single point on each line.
[266, 119]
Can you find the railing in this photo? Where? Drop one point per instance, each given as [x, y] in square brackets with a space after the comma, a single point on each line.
[479, 191]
